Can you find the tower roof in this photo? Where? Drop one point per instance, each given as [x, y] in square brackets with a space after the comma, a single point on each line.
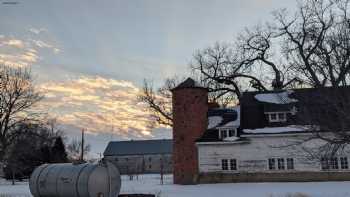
[188, 83]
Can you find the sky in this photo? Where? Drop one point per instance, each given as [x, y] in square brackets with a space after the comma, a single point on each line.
[89, 58]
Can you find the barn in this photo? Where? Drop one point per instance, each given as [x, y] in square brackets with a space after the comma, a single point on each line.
[269, 136]
[140, 156]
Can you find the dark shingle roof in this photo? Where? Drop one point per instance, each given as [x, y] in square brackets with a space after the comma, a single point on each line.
[137, 147]
[313, 106]
[188, 83]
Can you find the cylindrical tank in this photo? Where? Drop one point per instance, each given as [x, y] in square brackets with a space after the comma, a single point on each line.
[75, 180]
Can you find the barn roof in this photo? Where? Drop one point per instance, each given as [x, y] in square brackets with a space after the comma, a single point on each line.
[139, 147]
[306, 106]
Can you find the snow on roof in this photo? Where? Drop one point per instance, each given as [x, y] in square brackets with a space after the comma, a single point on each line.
[233, 138]
[277, 98]
[235, 123]
[214, 121]
[271, 130]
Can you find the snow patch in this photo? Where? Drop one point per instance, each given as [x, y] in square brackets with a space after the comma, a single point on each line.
[276, 98]
[233, 138]
[290, 128]
[150, 184]
[214, 121]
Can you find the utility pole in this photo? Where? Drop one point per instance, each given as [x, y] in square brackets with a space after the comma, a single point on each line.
[82, 146]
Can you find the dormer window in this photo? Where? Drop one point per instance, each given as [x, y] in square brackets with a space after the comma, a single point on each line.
[277, 116]
[224, 133]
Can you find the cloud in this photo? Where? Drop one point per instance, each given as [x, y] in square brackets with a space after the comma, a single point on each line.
[37, 31]
[15, 43]
[16, 52]
[41, 44]
[23, 59]
[99, 105]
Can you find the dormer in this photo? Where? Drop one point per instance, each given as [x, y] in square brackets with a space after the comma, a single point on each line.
[227, 132]
[225, 122]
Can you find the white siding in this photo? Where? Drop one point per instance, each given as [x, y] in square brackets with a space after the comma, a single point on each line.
[253, 155]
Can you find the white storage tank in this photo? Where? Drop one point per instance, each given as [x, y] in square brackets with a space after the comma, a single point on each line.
[75, 180]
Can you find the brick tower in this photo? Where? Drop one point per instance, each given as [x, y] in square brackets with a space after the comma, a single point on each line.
[190, 107]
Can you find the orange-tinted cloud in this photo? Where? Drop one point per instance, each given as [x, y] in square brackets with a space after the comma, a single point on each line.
[98, 105]
[16, 52]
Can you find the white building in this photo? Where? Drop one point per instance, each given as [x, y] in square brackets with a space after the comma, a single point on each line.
[267, 139]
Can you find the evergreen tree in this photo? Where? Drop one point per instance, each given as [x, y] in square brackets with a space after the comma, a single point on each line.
[58, 151]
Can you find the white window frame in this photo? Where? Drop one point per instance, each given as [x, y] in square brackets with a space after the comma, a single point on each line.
[344, 163]
[227, 131]
[271, 165]
[229, 169]
[280, 164]
[334, 163]
[290, 165]
[227, 161]
[277, 119]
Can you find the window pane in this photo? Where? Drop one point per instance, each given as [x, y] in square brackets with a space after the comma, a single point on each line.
[231, 133]
[324, 164]
[272, 164]
[223, 134]
[290, 163]
[280, 163]
[224, 164]
[233, 164]
[344, 163]
[334, 163]
[273, 116]
[281, 116]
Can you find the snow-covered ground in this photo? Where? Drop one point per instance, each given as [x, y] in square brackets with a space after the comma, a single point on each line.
[150, 184]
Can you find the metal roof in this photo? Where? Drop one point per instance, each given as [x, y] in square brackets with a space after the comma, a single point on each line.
[139, 147]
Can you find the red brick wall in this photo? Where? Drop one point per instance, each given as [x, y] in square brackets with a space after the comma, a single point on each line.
[190, 106]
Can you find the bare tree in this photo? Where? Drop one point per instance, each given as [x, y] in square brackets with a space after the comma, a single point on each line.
[325, 113]
[159, 101]
[74, 149]
[317, 41]
[17, 97]
[308, 48]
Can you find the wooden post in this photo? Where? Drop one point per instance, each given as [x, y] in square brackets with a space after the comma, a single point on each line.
[82, 146]
[161, 170]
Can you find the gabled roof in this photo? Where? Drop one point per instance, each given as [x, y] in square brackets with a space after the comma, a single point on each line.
[189, 83]
[139, 147]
